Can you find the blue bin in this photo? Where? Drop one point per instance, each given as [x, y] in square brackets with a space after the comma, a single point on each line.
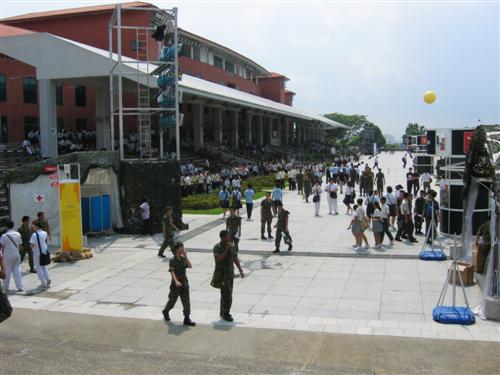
[86, 215]
[96, 213]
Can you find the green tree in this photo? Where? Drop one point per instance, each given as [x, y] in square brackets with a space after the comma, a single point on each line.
[355, 134]
[413, 129]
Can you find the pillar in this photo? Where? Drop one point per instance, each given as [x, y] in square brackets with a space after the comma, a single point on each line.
[234, 123]
[102, 122]
[260, 130]
[248, 127]
[286, 130]
[323, 136]
[218, 126]
[48, 117]
[197, 126]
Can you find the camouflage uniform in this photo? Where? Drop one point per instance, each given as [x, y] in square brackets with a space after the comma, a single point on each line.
[266, 217]
[26, 232]
[178, 267]
[233, 224]
[168, 240]
[43, 225]
[282, 218]
[225, 273]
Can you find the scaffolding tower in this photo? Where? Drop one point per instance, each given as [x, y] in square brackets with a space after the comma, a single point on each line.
[143, 78]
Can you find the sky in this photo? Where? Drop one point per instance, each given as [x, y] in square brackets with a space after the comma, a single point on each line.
[375, 58]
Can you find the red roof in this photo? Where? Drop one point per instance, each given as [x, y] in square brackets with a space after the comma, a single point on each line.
[13, 31]
[73, 11]
[289, 92]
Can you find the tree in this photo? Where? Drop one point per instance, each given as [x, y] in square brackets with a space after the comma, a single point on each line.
[413, 129]
[355, 134]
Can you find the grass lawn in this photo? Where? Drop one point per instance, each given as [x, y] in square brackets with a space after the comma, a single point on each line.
[218, 210]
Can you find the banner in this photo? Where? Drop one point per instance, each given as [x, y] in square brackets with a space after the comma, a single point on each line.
[467, 139]
[71, 216]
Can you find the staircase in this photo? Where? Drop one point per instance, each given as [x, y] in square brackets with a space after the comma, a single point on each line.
[143, 96]
[11, 156]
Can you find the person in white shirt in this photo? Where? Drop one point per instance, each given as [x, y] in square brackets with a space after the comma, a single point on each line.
[377, 227]
[426, 181]
[11, 243]
[316, 193]
[146, 217]
[39, 245]
[331, 197]
[385, 214]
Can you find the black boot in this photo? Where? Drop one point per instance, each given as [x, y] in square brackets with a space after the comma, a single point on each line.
[166, 316]
[188, 322]
[276, 251]
[270, 236]
[262, 237]
[227, 317]
[290, 247]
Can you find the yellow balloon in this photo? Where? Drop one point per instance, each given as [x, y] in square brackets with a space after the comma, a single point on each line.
[429, 97]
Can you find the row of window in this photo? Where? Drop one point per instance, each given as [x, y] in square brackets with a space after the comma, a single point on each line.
[30, 92]
[196, 53]
[31, 125]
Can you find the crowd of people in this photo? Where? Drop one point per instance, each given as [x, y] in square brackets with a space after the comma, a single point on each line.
[74, 141]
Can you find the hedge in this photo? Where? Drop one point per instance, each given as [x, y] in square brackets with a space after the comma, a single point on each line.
[210, 201]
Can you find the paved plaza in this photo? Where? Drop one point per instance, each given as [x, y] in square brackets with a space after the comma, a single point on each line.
[323, 285]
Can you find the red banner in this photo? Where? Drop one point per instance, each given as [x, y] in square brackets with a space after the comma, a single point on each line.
[467, 139]
[50, 168]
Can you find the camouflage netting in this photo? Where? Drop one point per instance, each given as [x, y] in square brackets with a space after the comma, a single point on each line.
[159, 181]
[87, 161]
[483, 158]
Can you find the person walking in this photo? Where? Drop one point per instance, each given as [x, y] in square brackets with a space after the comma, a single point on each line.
[370, 201]
[39, 246]
[146, 217]
[426, 181]
[331, 197]
[266, 216]
[10, 244]
[300, 182]
[349, 197]
[26, 232]
[236, 200]
[307, 186]
[385, 213]
[380, 181]
[249, 194]
[377, 226]
[179, 286]
[419, 212]
[233, 226]
[391, 202]
[406, 224]
[169, 230]
[409, 180]
[358, 225]
[431, 207]
[225, 255]
[43, 224]
[224, 201]
[416, 182]
[282, 228]
[277, 196]
[316, 193]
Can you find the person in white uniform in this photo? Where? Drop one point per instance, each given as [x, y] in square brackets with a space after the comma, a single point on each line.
[316, 192]
[39, 245]
[11, 243]
[331, 196]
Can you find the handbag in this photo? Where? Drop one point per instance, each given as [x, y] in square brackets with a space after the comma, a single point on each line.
[44, 258]
[5, 307]
[217, 278]
[315, 198]
[333, 194]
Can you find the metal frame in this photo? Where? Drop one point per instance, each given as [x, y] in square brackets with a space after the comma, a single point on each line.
[144, 78]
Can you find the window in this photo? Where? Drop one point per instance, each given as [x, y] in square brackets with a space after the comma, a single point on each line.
[80, 96]
[59, 93]
[29, 89]
[4, 130]
[136, 45]
[196, 53]
[30, 124]
[81, 124]
[186, 50]
[229, 67]
[60, 124]
[3, 88]
[218, 61]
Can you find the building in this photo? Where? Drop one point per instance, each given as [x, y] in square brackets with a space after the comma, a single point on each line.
[57, 58]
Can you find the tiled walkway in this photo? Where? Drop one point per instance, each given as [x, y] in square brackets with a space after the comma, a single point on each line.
[332, 289]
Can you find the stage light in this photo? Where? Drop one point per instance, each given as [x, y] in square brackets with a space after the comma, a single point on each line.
[159, 33]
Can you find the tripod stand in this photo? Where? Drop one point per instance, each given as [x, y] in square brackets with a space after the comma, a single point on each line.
[432, 252]
[453, 314]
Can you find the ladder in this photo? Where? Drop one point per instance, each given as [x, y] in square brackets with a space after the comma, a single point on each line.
[143, 96]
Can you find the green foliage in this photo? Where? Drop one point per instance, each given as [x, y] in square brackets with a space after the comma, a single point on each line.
[356, 134]
[414, 129]
[211, 201]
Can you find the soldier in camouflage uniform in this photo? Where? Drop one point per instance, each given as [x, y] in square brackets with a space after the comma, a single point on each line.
[233, 226]
[179, 285]
[282, 227]
[43, 224]
[226, 255]
[26, 233]
[168, 229]
[266, 216]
